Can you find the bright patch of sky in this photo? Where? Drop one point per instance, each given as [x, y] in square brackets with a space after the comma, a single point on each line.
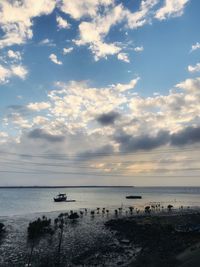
[124, 72]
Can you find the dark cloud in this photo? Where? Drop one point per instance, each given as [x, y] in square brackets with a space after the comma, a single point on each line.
[103, 151]
[42, 134]
[143, 142]
[108, 118]
[189, 135]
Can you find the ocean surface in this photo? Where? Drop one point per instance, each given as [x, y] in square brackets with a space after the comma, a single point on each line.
[23, 201]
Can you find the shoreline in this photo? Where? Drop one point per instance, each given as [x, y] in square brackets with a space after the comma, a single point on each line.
[160, 212]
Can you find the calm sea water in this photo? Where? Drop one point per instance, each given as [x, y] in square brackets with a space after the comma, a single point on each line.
[32, 200]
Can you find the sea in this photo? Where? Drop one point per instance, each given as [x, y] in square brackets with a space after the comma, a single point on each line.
[24, 201]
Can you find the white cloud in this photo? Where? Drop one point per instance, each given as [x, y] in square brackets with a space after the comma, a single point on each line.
[195, 68]
[78, 103]
[19, 71]
[122, 87]
[4, 74]
[18, 120]
[139, 18]
[75, 107]
[47, 42]
[93, 33]
[40, 120]
[195, 47]
[62, 23]
[102, 50]
[67, 50]
[3, 137]
[87, 8]
[54, 59]
[16, 19]
[15, 70]
[38, 106]
[124, 57]
[139, 49]
[14, 54]
[171, 8]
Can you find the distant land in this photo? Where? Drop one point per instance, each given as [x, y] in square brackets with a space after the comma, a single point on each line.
[70, 186]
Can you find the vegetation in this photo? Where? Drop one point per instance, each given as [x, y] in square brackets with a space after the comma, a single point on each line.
[2, 229]
[169, 207]
[36, 230]
[2, 226]
[73, 216]
[147, 209]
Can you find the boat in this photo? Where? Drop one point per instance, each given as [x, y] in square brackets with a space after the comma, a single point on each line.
[60, 198]
[133, 197]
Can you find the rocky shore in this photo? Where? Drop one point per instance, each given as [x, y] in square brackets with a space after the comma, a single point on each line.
[161, 238]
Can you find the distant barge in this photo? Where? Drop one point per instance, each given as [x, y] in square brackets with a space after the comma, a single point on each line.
[133, 197]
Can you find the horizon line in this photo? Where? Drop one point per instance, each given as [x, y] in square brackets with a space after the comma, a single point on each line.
[89, 186]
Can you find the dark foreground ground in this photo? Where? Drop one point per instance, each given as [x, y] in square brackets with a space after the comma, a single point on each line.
[166, 239]
[161, 242]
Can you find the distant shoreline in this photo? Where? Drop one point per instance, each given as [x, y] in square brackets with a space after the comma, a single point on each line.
[91, 186]
[57, 186]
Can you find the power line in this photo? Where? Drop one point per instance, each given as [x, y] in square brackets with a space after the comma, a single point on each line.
[13, 161]
[88, 155]
[95, 174]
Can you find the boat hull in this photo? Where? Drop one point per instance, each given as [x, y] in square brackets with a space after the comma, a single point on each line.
[60, 200]
[133, 197]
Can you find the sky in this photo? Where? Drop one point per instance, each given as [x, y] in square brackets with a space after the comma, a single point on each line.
[99, 92]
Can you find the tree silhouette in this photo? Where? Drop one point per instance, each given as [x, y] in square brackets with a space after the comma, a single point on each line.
[36, 230]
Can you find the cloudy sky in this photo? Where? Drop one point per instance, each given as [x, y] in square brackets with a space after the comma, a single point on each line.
[99, 92]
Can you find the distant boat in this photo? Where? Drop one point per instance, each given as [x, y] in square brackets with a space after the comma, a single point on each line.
[60, 198]
[63, 198]
[133, 197]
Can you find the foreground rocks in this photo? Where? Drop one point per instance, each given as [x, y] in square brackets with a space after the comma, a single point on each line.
[157, 238]
[139, 240]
